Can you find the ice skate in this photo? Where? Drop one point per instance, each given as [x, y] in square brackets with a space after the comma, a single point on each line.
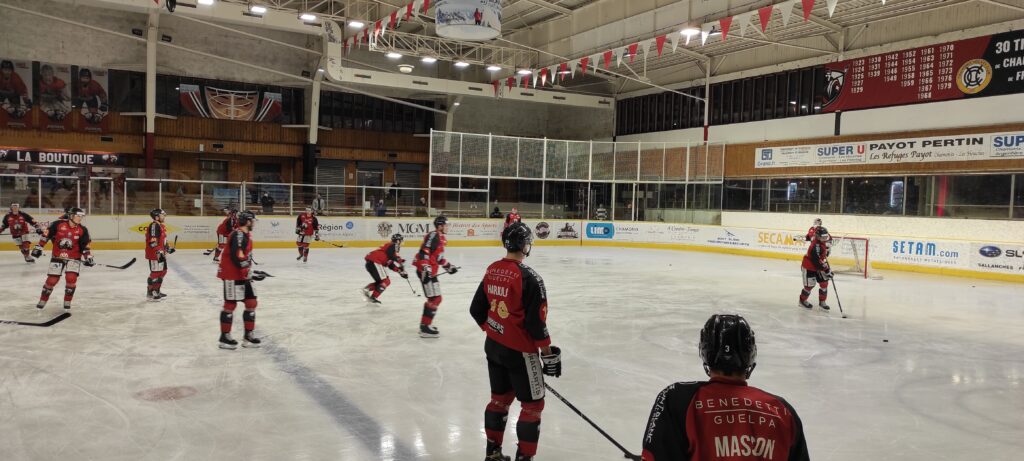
[67, 305]
[40, 305]
[373, 300]
[497, 456]
[823, 306]
[152, 295]
[806, 304]
[367, 294]
[29, 259]
[428, 331]
[227, 343]
[250, 341]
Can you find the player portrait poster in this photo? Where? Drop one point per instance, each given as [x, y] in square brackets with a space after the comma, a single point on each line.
[223, 104]
[90, 97]
[15, 93]
[53, 95]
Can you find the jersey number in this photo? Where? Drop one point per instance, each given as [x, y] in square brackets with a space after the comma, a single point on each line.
[500, 308]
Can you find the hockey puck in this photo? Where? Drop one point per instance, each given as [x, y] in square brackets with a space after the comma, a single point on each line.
[885, 340]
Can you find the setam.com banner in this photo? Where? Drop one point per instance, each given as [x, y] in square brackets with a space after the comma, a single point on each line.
[993, 146]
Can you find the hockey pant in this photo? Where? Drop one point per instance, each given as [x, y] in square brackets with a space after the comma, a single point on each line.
[381, 281]
[432, 290]
[810, 278]
[157, 271]
[70, 269]
[234, 291]
[222, 242]
[23, 244]
[302, 241]
[514, 375]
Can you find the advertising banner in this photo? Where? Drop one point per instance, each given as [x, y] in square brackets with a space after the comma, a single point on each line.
[997, 257]
[993, 146]
[54, 96]
[982, 66]
[60, 158]
[553, 230]
[90, 93]
[15, 93]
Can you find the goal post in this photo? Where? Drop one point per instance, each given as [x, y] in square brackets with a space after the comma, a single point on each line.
[851, 255]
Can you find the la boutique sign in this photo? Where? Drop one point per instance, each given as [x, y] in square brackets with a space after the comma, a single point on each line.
[59, 158]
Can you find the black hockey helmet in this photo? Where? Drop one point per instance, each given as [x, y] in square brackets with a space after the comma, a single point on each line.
[246, 217]
[727, 345]
[397, 238]
[84, 72]
[156, 212]
[821, 231]
[440, 221]
[518, 237]
[5, 64]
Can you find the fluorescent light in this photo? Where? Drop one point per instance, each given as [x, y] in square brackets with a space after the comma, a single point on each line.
[564, 72]
[393, 55]
[206, 2]
[524, 71]
[457, 104]
[319, 70]
[493, 68]
[690, 31]
[461, 64]
[356, 24]
[307, 17]
[429, 60]
[258, 9]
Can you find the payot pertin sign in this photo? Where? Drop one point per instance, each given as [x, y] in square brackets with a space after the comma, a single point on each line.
[468, 19]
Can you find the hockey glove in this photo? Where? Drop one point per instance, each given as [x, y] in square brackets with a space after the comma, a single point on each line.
[244, 264]
[451, 269]
[298, 231]
[426, 274]
[402, 273]
[89, 262]
[553, 362]
[171, 250]
[316, 237]
[257, 277]
[37, 251]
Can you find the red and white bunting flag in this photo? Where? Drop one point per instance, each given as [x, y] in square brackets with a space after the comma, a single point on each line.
[632, 52]
[394, 19]
[408, 11]
[659, 42]
[608, 58]
[572, 66]
[743, 20]
[378, 27]
[725, 22]
[675, 42]
[510, 83]
[535, 79]
[366, 35]
[497, 87]
[786, 10]
[525, 81]
[583, 64]
[765, 14]
[831, 6]
[705, 32]
[426, 6]
[562, 69]
[808, 6]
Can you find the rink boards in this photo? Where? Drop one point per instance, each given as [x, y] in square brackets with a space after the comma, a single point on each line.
[981, 259]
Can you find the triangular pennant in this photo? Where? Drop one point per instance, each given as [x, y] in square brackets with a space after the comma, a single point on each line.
[583, 64]
[608, 58]
[394, 19]
[808, 6]
[344, 46]
[573, 65]
[408, 11]
[511, 83]
[525, 81]
[497, 86]
[543, 76]
[618, 57]
[705, 32]
[426, 6]
[659, 43]
[725, 22]
[831, 6]
[366, 35]
[563, 68]
[535, 79]
[786, 9]
[378, 27]
[632, 52]
[675, 42]
[766, 16]
[743, 20]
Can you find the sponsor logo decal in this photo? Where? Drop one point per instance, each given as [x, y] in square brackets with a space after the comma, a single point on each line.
[144, 227]
[543, 230]
[600, 230]
[349, 225]
[568, 232]
[990, 251]
[974, 76]
[834, 81]
[384, 229]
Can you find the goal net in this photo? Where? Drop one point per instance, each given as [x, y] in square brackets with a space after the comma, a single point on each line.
[851, 255]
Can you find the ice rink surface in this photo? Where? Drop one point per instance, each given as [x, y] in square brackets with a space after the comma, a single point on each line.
[337, 379]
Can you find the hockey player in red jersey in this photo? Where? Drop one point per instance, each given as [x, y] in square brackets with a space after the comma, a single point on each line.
[70, 251]
[511, 307]
[91, 96]
[513, 217]
[156, 253]
[384, 257]
[236, 273]
[14, 96]
[429, 261]
[815, 269]
[812, 232]
[307, 229]
[723, 418]
[224, 230]
[19, 222]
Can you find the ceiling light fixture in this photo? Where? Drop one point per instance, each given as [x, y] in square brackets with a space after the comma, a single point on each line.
[689, 32]
[206, 2]
[457, 104]
[307, 17]
[461, 64]
[405, 68]
[524, 71]
[356, 24]
[393, 55]
[429, 60]
[257, 9]
[493, 68]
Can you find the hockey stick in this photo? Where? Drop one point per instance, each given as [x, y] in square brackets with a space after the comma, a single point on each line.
[446, 271]
[625, 452]
[336, 245]
[125, 266]
[411, 288]
[838, 301]
[175, 245]
[48, 323]
[209, 252]
[262, 273]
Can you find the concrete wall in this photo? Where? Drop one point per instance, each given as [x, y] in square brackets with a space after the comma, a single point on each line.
[515, 118]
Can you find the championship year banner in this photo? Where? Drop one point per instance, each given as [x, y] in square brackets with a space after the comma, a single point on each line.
[961, 148]
[982, 66]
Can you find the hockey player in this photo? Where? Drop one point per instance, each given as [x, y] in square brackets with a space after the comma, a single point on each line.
[14, 96]
[723, 418]
[307, 229]
[92, 97]
[513, 217]
[377, 260]
[156, 253]
[511, 307]
[224, 230]
[54, 98]
[429, 261]
[19, 221]
[815, 269]
[236, 272]
[70, 251]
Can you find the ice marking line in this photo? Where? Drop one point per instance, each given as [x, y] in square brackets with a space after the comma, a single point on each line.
[342, 409]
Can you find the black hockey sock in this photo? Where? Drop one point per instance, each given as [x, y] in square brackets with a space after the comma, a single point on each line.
[226, 319]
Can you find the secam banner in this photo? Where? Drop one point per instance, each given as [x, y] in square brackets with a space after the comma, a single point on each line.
[995, 146]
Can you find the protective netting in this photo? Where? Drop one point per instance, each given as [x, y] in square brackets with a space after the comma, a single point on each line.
[555, 162]
[603, 161]
[444, 152]
[474, 154]
[652, 161]
[627, 156]
[505, 157]
[578, 165]
[531, 158]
